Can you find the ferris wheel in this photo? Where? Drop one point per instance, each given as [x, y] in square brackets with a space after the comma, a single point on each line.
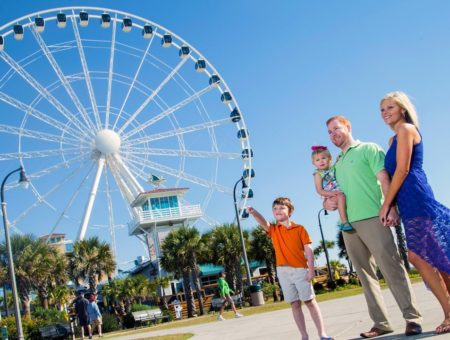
[96, 104]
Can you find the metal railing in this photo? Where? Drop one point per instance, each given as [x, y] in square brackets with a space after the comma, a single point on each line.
[167, 214]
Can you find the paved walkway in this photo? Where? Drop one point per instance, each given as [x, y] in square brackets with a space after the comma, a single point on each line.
[344, 318]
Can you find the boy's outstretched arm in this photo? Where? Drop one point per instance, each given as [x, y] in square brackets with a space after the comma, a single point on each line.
[309, 254]
[259, 218]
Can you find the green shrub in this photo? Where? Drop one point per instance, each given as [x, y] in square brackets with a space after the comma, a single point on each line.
[136, 307]
[318, 287]
[128, 321]
[341, 282]
[110, 323]
[50, 315]
[30, 327]
[268, 289]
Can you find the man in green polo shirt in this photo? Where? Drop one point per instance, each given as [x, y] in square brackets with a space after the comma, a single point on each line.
[362, 178]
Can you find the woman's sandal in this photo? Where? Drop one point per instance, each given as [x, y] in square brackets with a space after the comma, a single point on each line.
[443, 328]
[345, 226]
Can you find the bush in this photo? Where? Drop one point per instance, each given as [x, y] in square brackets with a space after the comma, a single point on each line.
[268, 289]
[110, 323]
[30, 327]
[318, 287]
[128, 321]
[50, 315]
[138, 307]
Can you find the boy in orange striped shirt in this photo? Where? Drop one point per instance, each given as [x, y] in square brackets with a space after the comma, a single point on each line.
[295, 263]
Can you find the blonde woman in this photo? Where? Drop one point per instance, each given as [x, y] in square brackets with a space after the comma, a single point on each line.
[426, 221]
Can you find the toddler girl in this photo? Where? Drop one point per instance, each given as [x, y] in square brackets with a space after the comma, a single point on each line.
[326, 184]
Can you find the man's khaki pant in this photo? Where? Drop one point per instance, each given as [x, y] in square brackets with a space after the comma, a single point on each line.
[372, 244]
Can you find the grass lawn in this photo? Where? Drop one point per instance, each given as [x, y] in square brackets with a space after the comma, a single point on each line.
[270, 306]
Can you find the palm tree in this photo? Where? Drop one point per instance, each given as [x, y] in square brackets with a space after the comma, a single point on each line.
[261, 249]
[163, 282]
[175, 259]
[142, 288]
[21, 246]
[91, 260]
[225, 249]
[48, 269]
[59, 296]
[336, 267]
[114, 291]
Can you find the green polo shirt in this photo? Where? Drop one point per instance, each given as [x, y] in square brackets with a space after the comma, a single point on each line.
[356, 172]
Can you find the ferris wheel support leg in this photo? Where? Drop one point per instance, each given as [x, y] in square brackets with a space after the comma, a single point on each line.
[90, 203]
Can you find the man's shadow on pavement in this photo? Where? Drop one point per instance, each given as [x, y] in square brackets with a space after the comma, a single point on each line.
[424, 335]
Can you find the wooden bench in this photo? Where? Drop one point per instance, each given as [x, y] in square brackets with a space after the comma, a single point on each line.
[149, 315]
[56, 331]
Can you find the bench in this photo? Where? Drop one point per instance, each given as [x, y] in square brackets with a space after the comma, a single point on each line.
[56, 331]
[216, 303]
[149, 315]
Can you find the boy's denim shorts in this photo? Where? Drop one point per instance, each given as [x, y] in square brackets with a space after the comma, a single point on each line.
[294, 284]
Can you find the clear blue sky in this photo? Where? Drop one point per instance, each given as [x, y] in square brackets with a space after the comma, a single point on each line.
[292, 64]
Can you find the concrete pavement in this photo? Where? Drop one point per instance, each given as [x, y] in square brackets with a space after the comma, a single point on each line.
[344, 318]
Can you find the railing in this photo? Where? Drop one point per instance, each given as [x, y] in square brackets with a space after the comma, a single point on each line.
[167, 214]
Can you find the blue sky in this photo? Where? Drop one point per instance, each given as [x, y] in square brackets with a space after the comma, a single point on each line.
[293, 64]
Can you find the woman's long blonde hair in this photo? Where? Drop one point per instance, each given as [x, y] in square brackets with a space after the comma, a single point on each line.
[405, 103]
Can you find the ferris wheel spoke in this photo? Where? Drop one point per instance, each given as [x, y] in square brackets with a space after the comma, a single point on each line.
[39, 153]
[176, 132]
[44, 92]
[27, 109]
[110, 72]
[42, 199]
[167, 112]
[86, 71]
[134, 80]
[182, 153]
[154, 93]
[179, 174]
[37, 135]
[61, 76]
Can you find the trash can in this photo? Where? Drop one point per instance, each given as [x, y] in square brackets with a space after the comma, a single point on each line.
[4, 333]
[256, 295]
[178, 311]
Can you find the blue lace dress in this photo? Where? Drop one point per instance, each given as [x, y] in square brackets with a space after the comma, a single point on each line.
[426, 221]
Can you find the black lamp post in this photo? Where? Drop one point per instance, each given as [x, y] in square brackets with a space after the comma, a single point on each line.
[23, 181]
[330, 279]
[241, 236]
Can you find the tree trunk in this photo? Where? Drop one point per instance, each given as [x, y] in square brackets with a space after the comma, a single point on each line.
[43, 296]
[188, 293]
[197, 285]
[271, 276]
[402, 248]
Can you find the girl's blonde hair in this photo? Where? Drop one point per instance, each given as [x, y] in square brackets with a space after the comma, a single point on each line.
[405, 103]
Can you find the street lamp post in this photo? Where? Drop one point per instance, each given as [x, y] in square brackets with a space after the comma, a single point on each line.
[330, 279]
[23, 180]
[244, 252]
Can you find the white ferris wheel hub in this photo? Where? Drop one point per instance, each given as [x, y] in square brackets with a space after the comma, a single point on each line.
[107, 142]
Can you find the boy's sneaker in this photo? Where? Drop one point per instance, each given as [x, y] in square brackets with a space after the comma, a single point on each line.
[220, 318]
[238, 315]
